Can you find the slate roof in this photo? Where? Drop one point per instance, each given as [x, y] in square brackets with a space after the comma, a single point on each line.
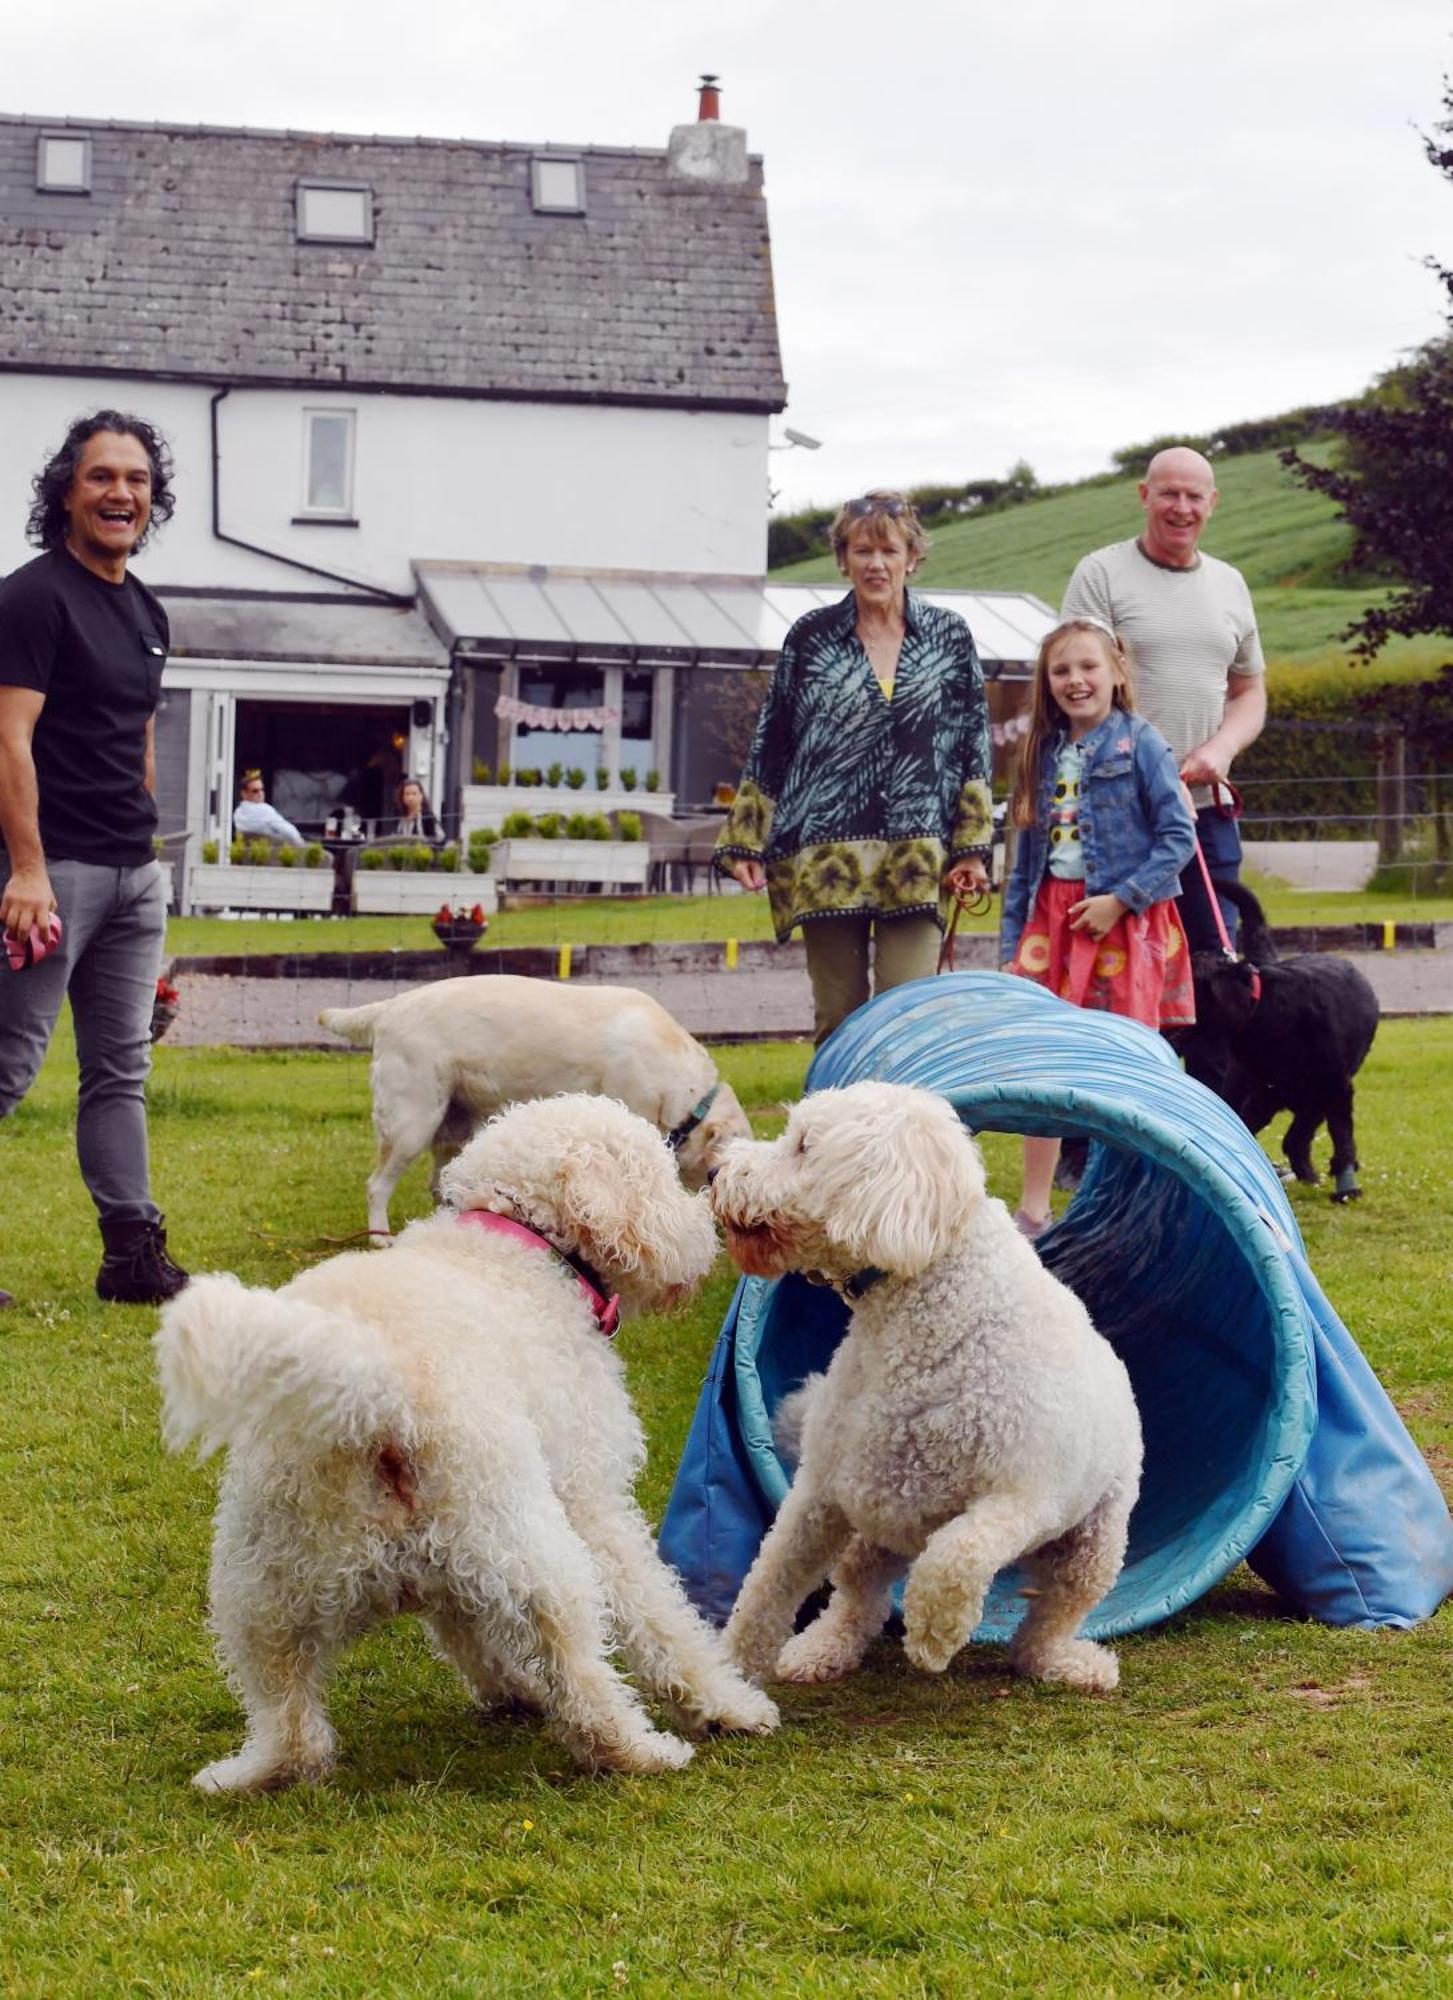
[183, 263]
[339, 631]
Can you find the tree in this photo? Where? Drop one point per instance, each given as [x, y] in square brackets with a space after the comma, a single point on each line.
[1393, 476]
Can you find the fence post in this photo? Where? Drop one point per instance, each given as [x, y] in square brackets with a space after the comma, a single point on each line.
[1392, 793]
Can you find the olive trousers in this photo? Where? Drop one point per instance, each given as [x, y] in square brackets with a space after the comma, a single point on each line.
[838, 951]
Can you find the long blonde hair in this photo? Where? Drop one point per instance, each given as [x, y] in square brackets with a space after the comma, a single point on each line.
[1045, 716]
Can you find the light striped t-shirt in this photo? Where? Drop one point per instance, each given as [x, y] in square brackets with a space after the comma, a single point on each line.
[1186, 631]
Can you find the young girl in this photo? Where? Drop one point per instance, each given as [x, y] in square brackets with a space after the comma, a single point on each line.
[1105, 833]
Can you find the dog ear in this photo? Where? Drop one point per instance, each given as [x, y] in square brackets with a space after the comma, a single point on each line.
[909, 1181]
[620, 1200]
[1227, 985]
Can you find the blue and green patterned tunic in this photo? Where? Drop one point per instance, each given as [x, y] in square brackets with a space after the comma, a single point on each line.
[855, 803]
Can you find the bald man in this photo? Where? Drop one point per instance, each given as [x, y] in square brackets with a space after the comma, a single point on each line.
[1187, 622]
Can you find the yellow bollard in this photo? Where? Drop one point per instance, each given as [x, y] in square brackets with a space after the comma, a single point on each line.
[562, 971]
[731, 954]
[1389, 935]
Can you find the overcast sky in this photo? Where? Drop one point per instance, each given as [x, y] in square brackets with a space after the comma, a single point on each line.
[1034, 229]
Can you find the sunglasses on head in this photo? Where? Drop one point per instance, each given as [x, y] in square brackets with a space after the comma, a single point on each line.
[856, 510]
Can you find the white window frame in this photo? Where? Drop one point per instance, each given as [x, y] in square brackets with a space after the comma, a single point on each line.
[44, 184]
[300, 207]
[552, 206]
[309, 510]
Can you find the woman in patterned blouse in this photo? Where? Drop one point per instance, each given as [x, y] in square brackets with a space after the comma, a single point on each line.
[864, 806]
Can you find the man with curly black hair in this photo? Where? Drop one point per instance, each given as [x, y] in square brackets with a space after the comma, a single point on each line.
[82, 647]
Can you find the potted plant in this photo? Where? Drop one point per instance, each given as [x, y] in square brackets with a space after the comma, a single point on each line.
[403, 879]
[556, 789]
[579, 852]
[259, 876]
[460, 929]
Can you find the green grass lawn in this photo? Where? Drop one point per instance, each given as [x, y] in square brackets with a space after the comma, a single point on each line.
[1287, 542]
[1263, 1809]
[690, 919]
[583, 920]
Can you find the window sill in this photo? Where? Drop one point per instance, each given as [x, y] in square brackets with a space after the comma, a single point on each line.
[324, 521]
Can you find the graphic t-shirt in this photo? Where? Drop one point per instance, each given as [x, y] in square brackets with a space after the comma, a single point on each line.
[1066, 854]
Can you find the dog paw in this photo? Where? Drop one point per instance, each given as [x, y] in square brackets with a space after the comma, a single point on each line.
[250, 1774]
[659, 1751]
[807, 1661]
[746, 1713]
[930, 1651]
[1079, 1664]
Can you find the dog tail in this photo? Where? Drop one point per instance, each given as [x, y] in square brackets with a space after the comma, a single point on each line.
[232, 1360]
[353, 1024]
[1257, 942]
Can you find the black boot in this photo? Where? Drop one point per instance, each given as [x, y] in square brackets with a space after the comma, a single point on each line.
[136, 1270]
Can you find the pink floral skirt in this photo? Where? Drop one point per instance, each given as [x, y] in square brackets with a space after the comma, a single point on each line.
[1141, 967]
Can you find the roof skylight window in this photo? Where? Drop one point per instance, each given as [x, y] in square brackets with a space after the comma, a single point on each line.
[334, 212]
[557, 186]
[63, 163]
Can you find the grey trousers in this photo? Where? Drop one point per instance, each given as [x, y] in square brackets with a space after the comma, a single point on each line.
[904, 948]
[108, 962]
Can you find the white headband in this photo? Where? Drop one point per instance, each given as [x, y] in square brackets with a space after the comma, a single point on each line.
[1086, 618]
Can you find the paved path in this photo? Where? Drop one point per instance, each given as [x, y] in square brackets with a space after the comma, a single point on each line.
[768, 997]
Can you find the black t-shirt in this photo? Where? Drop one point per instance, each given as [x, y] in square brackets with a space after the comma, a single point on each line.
[95, 650]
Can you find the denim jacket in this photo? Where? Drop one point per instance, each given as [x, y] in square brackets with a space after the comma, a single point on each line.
[1136, 830]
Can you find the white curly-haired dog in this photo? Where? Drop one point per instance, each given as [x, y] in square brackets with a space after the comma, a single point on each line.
[970, 1417]
[444, 1429]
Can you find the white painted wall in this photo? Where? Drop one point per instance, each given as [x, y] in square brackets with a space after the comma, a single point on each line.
[435, 478]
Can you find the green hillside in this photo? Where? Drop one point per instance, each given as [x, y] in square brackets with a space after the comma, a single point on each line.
[1286, 541]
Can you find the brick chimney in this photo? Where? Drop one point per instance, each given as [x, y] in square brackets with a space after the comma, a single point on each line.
[708, 150]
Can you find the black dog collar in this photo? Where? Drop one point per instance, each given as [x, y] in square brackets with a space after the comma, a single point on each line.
[851, 1289]
[678, 1135]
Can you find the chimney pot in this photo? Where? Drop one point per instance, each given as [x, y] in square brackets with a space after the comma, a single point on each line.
[710, 101]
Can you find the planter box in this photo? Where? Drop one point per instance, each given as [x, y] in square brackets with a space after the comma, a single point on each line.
[487, 805]
[412, 892]
[217, 886]
[621, 864]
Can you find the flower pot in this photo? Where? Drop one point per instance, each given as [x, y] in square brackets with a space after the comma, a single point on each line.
[458, 935]
[412, 892]
[617, 864]
[218, 885]
[487, 805]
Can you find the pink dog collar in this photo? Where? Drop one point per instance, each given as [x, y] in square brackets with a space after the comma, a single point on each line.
[607, 1310]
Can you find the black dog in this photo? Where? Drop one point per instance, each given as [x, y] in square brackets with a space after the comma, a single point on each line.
[1283, 1034]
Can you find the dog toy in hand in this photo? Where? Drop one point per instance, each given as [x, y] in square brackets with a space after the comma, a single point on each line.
[30, 950]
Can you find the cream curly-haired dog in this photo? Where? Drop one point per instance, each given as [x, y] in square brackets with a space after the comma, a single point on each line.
[446, 1056]
[971, 1416]
[444, 1429]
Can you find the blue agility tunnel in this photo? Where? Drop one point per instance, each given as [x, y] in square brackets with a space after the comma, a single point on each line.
[1267, 1436]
